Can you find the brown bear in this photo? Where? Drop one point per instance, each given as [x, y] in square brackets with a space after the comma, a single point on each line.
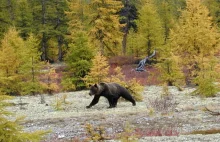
[112, 91]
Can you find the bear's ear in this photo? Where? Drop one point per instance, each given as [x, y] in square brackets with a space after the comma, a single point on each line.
[90, 85]
[96, 85]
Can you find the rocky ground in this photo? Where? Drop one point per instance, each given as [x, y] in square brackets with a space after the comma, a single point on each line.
[155, 119]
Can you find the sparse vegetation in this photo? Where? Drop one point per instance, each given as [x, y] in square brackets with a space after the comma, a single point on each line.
[128, 134]
[164, 103]
[95, 133]
[11, 130]
[60, 102]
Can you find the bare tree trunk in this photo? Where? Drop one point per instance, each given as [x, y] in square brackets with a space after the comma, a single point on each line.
[148, 46]
[60, 54]
[44, 47]
[44, 41]
[59, 37]
[102, 47]
[42, 99]
[124, 43]
[10, 10]
[32, 69]
[33, 74]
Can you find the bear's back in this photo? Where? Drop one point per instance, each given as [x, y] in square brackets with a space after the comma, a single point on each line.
[115, 88]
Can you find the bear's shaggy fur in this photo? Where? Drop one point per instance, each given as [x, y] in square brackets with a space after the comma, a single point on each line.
[112, 91]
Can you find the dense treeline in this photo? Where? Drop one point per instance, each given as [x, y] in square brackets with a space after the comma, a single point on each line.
[55, 23]
[73, 31]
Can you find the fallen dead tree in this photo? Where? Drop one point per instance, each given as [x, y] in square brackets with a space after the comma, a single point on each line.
[212, 112]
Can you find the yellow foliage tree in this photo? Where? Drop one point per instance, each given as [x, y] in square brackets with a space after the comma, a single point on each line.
[19, 64]
[169, 67]
[105, 32]
[195, 40]
[49, 82]
[99, 70]
[150, 29]
[10, 61]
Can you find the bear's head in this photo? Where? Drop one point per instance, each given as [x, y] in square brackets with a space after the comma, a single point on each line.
[96, 89]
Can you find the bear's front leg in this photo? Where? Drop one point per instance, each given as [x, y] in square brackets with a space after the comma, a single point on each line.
[94, 101]
[111, 103]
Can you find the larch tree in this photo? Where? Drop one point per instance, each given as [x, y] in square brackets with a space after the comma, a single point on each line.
[99, 70]
[167, 17]
[19, 63]
[10, 62]
[133, 47]
[195, 40]
[168, 64]
[150, 28]
[78, 16]
[105, 31]
[169, 67]
[30, 67]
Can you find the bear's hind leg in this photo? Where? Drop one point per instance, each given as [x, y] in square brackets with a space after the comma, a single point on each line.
[115, 101]
[129, 98]
[112, 102]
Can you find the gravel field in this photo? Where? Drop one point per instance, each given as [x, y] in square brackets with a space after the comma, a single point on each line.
[179, 114]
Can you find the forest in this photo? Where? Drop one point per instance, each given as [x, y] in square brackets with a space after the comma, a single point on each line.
[52, 46]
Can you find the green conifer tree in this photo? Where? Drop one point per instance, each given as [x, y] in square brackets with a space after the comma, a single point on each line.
[79, 55]
[78, 61]
[128, 17]
[213, 6]
[24, 19]
[30, 67]
[8, 11]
